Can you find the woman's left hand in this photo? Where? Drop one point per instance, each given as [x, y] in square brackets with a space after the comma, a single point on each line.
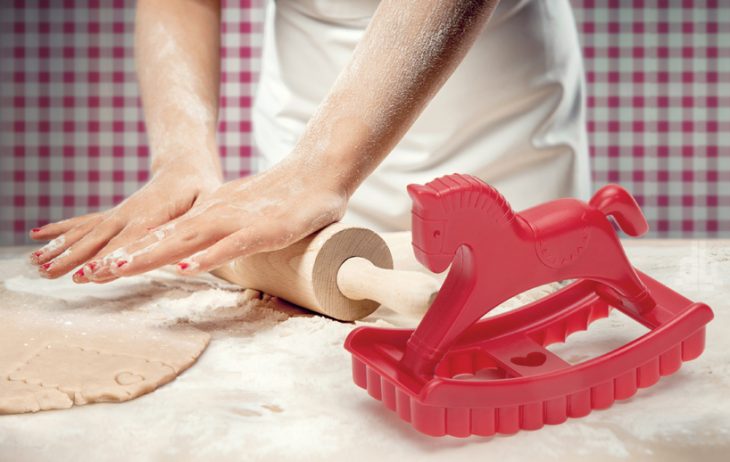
[264, 212]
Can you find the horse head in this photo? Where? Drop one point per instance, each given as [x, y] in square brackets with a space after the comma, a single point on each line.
[452, 211]
[428, 229]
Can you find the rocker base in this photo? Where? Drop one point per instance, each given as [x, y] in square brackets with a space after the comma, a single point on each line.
[519, 384]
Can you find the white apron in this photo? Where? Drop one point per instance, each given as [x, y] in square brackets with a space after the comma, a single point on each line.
[512, 113]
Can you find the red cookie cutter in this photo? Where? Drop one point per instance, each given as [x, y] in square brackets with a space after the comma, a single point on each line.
[495, 254]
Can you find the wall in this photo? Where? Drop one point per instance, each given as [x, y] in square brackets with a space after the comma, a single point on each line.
[72, 138]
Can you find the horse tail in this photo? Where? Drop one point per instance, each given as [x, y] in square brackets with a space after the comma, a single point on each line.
[614, 200]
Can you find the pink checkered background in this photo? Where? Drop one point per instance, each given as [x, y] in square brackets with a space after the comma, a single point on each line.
[72, 137]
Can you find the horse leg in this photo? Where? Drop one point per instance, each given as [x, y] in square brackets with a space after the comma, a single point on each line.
[621, 282]
[461, 302]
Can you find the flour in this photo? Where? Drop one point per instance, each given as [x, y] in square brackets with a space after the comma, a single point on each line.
[158, 296]
[118, 254]
[65, 290]
[64, 254]
[276, 385]
[54, 244]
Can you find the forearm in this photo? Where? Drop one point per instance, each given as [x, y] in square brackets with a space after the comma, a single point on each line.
[177, 52]
[407, 52]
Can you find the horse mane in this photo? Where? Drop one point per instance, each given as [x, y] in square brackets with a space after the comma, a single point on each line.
[457, 191]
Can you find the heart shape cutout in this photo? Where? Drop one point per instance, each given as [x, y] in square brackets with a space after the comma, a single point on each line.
[533, 359]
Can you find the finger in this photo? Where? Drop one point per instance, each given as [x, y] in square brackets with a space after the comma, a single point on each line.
[60, 244]
[53, 230]
[48, 251]
[82, 250]
[98, 268]
[99, 280]
[187, 238]
[126, 236]
[93, 271]
[84, 274]
[81, 276]
[256, 238]
[151, 237]
[130, 234]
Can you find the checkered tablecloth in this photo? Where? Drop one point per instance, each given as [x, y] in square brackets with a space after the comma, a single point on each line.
[72, 138]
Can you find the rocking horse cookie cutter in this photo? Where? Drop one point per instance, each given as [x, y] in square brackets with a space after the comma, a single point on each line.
[494, 254]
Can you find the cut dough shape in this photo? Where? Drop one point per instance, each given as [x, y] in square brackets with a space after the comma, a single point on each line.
[57, 353]
[97, 375]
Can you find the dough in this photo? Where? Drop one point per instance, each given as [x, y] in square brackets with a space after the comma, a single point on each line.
[76, 345]
[55, 365]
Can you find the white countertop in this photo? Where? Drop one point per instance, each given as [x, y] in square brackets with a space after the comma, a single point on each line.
[274, 385]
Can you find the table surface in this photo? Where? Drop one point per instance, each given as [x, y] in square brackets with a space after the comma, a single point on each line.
[276, 385]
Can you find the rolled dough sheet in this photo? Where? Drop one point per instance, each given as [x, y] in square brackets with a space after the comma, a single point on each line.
[54, 360]
[94, 343]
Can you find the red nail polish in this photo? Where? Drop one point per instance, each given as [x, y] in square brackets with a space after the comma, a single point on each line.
[45, 266]
[91, 265]
[37, 253]
[35, 230]
[183, 266]
[121, 263]
[79, 273]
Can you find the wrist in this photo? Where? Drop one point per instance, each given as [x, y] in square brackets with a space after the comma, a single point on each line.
[202, 161]
[187, 176]
[320, 172]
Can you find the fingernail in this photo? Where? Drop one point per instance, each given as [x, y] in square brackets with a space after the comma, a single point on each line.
[89, 269]
[188, 266]
[35, 230]
[35, 256]
[121, 263]
[43, 269]
[78, 275]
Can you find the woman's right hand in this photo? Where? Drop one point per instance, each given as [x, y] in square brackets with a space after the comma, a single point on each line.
[170, 192]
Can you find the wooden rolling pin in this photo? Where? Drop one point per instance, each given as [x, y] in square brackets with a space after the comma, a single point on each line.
[341, 271]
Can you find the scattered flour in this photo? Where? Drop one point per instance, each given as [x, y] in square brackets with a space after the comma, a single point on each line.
[275, 384]
[54, 244]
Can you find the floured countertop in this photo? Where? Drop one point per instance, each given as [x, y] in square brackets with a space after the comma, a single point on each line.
[275, 384]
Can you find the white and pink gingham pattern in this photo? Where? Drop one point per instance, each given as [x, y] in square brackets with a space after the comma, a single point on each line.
[72, 137]
[659, 103]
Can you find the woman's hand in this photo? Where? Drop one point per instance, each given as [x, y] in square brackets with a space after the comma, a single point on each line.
[171, 192]
[264, 212]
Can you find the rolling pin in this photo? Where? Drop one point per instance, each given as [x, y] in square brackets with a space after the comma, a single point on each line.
[340, 271]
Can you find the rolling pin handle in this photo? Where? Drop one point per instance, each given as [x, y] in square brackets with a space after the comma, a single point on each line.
[408, 292]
